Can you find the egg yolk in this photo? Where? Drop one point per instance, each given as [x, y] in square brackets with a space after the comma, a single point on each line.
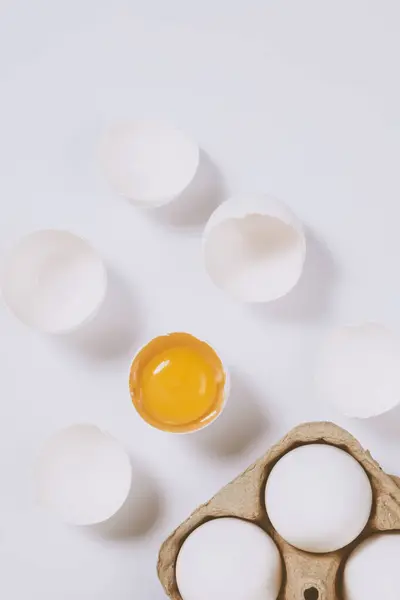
[177, 383]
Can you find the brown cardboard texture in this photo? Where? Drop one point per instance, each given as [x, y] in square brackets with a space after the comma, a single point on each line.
[306, 576]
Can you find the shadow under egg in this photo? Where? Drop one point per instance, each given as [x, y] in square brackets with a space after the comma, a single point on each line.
[240, 425]
[194, 206]
[311, 297]
[139, 514]
[113, 330]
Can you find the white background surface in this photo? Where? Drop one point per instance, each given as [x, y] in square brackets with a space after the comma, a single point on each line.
[299, 99]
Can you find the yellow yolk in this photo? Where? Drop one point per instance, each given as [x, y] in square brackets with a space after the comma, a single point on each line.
[178, 386]
[177, 383]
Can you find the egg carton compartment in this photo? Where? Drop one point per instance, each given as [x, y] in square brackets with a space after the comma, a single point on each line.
[306, 576]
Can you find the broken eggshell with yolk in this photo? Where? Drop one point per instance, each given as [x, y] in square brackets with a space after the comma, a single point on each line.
[178, 383]
[254, 248]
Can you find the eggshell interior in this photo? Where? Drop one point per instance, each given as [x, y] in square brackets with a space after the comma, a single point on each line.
[53, 281]
[318, 498]
[359, 370]
[148, 162]
[254, 248]
[83, 475]
[371, 571]
[229, 558]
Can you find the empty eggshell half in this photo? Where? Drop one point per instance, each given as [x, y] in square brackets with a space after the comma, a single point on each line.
[359, 370]
[318, 498]
[229, 558]
[83, 475]
[371, 571]
[53, 281]
[149, 162]
[254, 248]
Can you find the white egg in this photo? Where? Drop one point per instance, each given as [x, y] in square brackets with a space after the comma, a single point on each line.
[318, 498]
[359, 370]
[254, 248]
[83, 475]
[53, 281]
[229, 558]
[372, 570]
[149, 162]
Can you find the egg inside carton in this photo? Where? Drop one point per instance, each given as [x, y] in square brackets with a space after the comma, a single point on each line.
[307, 576]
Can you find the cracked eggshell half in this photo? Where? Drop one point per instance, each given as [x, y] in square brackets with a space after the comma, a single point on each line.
[254, 248]
[83, 475]
[149, 162]
[229, 558]
[358, 371]
[53, 281]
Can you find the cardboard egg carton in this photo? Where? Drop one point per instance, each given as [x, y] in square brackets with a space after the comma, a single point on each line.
[306, 576]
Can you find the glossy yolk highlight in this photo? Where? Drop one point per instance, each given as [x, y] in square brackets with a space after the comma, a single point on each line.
[178, 386]
[177, 383]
